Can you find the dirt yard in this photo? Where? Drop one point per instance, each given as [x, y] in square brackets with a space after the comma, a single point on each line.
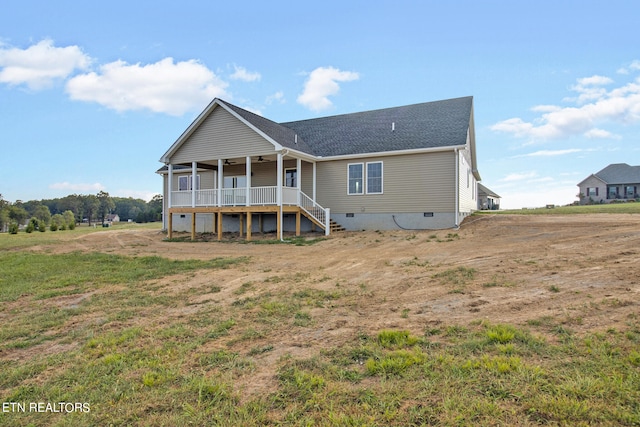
[580, 270]
[526, 267]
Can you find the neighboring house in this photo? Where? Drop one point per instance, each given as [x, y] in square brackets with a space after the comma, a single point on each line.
[487, 199]
[618, 181]
[410, 167]
[112, 218]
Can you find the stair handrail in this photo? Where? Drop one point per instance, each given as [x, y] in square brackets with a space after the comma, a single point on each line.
[315, 210]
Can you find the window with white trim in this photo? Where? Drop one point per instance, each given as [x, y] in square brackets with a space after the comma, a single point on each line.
[185, 182]
[364, 178]
[374, 178]
[356, 178]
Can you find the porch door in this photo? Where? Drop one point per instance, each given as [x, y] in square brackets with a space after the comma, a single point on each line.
[290, 178]
[235, 189]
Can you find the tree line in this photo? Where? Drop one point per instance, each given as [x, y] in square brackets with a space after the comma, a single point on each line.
[73, 209]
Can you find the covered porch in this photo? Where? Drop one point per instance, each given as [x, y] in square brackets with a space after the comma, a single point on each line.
[262, 184]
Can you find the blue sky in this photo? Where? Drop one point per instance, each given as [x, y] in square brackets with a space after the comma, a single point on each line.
[93, 93]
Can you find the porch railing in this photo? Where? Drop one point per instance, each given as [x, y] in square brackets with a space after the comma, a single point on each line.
[314, 209]
[264, 195]
[258, 196]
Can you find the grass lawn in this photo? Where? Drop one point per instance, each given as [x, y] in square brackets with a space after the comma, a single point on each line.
[103, 331]
[619, 208]
[26, 240]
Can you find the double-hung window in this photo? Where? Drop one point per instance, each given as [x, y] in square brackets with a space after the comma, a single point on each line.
[364, 178]
[356, 178]
[185, 182]
[374, 178]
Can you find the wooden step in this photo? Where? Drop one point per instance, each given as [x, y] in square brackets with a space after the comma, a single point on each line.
[334, 226]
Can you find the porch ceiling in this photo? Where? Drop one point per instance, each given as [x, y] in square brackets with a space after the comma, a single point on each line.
[213, 164]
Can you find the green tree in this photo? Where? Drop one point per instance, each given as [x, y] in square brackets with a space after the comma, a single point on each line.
[32, 225]
[73, 203]
[17, 213]
[69, 218]
[106, 204]
[4, 213]
[42, 213]
[91, 206]
[56, 222]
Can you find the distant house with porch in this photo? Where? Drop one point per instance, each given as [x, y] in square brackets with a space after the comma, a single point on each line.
[410, 167]
[616, 182]
[487, 199]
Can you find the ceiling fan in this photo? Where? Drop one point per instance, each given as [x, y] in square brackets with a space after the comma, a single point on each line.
[262, 159]
[227, 162]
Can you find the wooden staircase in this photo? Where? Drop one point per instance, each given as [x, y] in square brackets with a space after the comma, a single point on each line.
[334, 226]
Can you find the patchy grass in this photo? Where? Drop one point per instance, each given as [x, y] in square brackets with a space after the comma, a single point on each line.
[25, 240]
[45, 276]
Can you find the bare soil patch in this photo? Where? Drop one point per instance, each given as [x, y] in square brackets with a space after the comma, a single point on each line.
[526, 267]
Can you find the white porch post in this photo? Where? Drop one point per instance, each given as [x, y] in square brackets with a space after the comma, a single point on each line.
[298, 179]
[248, 172]
[279, 180]
[194, 181]
[314, 182]
[279, 192]
[169, 185]
[327, 221]
[220, 181]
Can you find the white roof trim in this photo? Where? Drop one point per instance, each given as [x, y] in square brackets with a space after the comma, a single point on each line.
[201, 118]
[389, 153]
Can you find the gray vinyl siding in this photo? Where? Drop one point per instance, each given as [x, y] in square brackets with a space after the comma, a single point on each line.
[307, 179]
[411, 183]
[221, 136]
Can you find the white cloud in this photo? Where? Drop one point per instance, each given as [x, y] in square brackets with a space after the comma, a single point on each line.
[322, 83]
[594, 81]
[552, 153]
[162, 87]
[589, 88]
[545, 108]
[514, 177]
[595, 105]
[41, 64]
[136, 194]
[600, 134]
[241, 73]
[634, 66]
[276, 97]
[77, 187]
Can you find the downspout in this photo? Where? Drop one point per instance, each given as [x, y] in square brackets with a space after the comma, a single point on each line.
[457, 190]
[165, 214]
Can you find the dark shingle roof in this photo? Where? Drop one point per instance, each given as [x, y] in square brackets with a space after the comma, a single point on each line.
[620, 173]
[427, 125]
[486, 191]
[281, 134]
